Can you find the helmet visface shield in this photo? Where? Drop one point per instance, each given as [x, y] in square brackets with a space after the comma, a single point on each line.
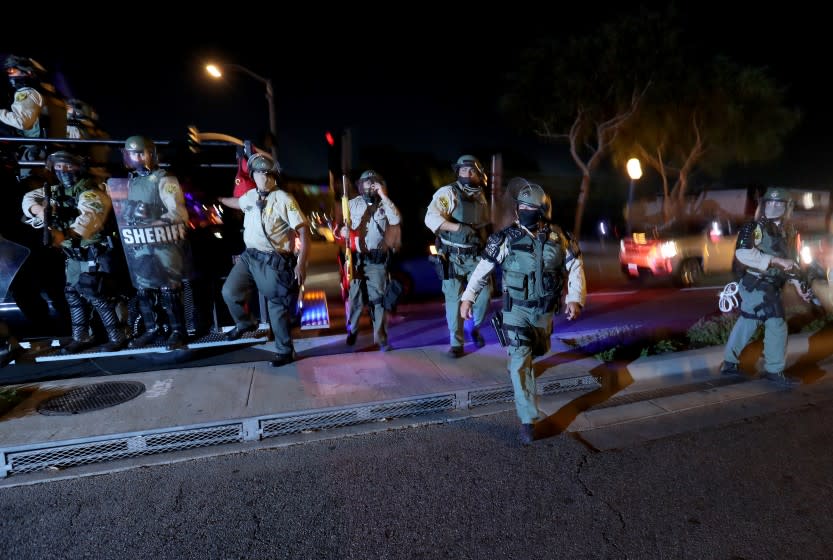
[775, 209]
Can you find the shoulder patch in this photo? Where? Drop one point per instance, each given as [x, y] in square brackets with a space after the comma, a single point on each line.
[444, 203]
[170, 188]
[291, 206]
[21, 95]
[493, 244]
[88, 195]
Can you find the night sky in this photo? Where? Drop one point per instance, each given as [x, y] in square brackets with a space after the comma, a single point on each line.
[425, 82]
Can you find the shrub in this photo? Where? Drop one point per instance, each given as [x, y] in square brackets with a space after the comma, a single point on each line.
[712, 330]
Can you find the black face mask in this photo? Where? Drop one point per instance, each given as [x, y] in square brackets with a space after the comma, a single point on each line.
[369, 196]
[529, 218]
[67, 178]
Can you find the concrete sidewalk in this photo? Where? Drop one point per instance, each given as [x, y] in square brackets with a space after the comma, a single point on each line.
[200, 407]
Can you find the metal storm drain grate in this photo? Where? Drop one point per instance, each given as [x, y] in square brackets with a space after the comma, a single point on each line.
[91, 397]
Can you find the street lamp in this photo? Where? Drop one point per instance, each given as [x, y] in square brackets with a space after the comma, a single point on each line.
[635, 173]
[215, 71]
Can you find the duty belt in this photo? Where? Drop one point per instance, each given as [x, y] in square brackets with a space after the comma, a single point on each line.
[455, 250]
[87, 252]
[373, 256]
[540, 302]
[270, 257]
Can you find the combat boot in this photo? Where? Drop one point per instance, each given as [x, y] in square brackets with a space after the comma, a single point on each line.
[81, 340]
[117, 340]
[527, 434]
[145, 339]
[781, 379]
[477, 338]
[176, 340]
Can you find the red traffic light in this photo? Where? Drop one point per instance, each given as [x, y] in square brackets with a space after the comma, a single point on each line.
[329, 137]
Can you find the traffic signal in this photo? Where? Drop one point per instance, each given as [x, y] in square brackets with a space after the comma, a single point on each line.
[193, 139]
[333, 153]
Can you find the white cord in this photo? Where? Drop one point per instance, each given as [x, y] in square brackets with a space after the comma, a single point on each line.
[728, 299]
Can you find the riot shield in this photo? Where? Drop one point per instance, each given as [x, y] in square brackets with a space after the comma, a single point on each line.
[12, 256]
[157, 251]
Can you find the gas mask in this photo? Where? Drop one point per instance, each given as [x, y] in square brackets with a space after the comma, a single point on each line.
[368, 194]
[67, 177]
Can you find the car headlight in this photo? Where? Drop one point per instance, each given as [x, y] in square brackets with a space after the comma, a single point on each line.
[668, 250]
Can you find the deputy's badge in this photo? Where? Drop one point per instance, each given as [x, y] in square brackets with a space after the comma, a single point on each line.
[759, 235]
[21, 95]
[443, 201]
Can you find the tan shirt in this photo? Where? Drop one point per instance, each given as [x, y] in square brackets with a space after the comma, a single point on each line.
[281, 217]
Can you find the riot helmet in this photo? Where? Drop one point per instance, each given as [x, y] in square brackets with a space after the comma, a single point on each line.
[139, 154]
[23, 71]
[470, 173]
[366, 182]
[776, 203]
[536, 202]
[81, 113]
[66, 166]
[261, 165]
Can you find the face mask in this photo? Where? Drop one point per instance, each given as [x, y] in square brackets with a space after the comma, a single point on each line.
[368, 195]
[67, 178]
[528, 218]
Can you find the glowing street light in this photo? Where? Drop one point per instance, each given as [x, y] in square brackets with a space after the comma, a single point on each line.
[635, 173]
[216, 72]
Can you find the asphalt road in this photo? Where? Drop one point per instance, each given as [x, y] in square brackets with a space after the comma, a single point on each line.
[742, 479]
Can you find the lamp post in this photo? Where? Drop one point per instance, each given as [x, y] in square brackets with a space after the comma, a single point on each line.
[635, 173]
[215, 71]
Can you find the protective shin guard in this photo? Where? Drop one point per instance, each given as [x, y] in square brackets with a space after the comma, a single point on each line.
[107, 312]
[172, 300]
[79, 315]
[144, 300]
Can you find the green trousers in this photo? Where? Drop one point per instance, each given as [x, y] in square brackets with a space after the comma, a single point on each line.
[367, 288]
[460, 269]
[775, 332]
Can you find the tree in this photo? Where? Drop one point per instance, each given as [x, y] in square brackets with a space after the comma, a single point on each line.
[584, 89]
[704, 114]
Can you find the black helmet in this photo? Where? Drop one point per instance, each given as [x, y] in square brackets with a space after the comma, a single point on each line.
[776, 212]
[78, 110]
[28, 71]
[532, 195]
[63, 156]
[468, 161]
[139, 153]
[261, 162]
[472, 183]
[68, 176]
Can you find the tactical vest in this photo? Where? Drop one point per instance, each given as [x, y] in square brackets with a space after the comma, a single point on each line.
[470, 211]
[774, 242]
[533, 273]
[473, 212]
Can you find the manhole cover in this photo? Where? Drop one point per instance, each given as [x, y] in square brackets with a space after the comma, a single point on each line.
[91, 397]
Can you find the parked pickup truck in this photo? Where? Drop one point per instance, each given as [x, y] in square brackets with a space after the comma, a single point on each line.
[681, 251]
